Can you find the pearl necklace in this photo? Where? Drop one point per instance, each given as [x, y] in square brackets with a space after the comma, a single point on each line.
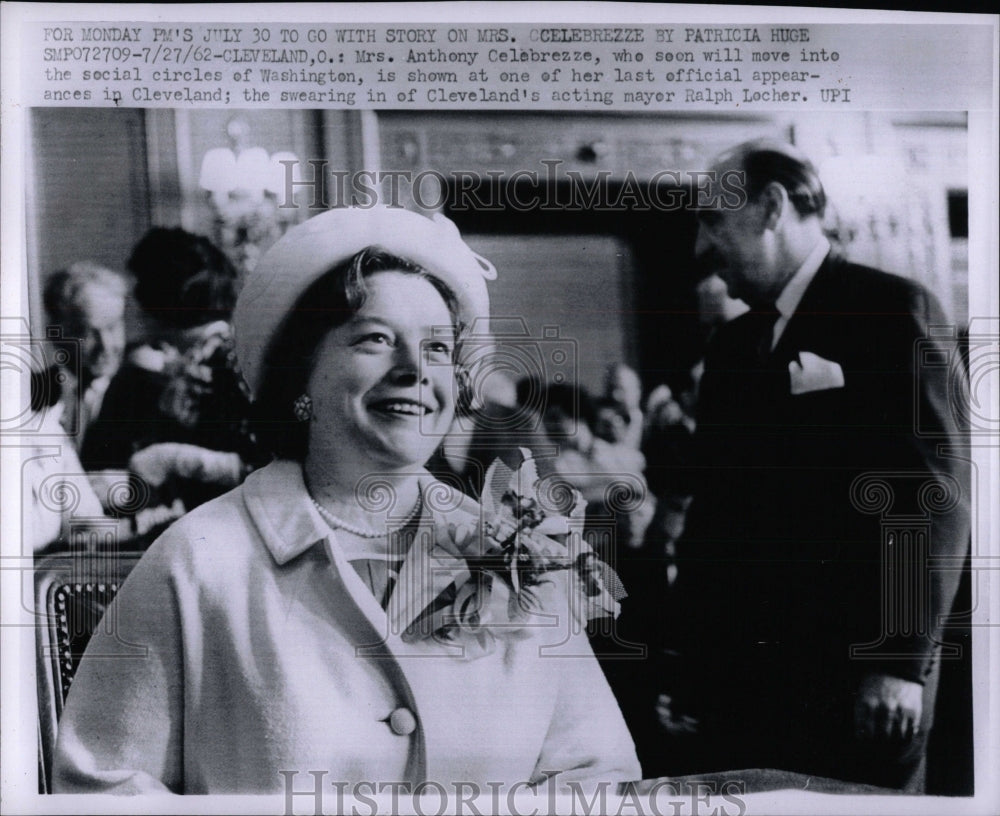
[364, 532]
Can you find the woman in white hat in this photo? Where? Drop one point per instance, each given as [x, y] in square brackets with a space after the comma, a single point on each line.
[328, 617]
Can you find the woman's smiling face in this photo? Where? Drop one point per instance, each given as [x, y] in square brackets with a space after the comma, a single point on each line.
[383, 383]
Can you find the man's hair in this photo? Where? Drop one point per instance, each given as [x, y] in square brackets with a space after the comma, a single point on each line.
[766, 160]
[64, 288]
[182, 279]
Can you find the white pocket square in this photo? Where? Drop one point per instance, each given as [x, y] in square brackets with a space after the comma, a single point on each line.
[814, 373]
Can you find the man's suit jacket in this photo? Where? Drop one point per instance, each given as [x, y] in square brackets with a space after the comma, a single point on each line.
[781, 561]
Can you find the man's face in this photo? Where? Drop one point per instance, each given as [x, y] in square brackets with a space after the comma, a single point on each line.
[736, 245]
[101, 329]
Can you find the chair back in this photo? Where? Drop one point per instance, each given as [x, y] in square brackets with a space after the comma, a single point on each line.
[72, 593]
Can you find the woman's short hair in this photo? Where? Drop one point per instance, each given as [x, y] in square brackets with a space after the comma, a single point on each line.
[182, 279]
[327, 303]
[64, 290]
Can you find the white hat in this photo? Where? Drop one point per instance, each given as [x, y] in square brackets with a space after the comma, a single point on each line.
[313, 248]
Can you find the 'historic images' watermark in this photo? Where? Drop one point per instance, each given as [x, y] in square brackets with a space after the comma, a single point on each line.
[553, 188]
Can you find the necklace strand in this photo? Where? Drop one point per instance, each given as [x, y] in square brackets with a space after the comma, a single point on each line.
[364, 532]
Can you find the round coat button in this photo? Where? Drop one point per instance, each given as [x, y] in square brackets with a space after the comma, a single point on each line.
[402, 721]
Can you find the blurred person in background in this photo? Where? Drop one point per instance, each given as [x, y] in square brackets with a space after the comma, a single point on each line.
[598, 469]
[55, 488]
[177, 414]
[612, 421]
[58, 497]
[666, 444]
[86, 301]
[623, 387]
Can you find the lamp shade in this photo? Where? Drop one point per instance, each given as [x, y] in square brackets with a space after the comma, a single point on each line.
[252, 170]
[218, 170]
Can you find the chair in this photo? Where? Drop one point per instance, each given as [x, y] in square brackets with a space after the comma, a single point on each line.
[72, 592]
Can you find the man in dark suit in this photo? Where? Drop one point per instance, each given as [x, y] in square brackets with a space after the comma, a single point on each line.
[828, 473]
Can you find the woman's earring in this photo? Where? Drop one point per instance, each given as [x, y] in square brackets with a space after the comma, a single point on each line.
[303, 408]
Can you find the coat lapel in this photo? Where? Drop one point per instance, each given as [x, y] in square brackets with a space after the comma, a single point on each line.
[432, 564]
[292, 526]
[355, 587]
[436, 558]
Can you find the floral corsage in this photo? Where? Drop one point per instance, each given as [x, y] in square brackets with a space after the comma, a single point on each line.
[527, 536]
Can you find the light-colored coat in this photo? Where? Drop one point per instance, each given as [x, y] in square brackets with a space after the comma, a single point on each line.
[265, 652]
